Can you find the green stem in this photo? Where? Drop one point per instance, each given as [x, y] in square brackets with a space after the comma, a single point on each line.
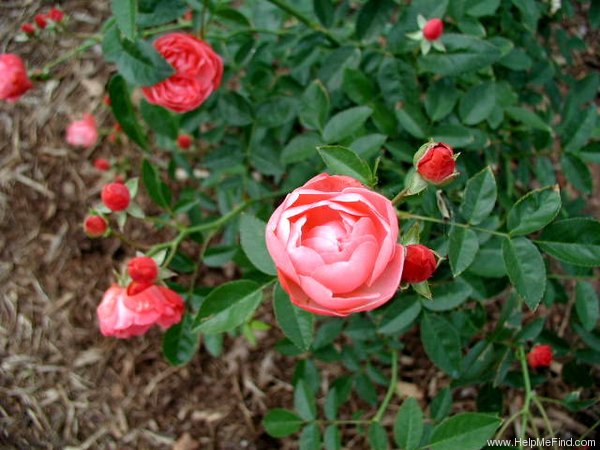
[171, 27]
[391, 389]
[400, 197]
[528, 393]
[128, 241]
[71, 53]
[592, 428]
[407, 215]
[507, 423]
[305, 20]
[542, 410]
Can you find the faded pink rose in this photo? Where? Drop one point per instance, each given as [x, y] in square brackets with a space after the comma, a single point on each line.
[198, 72]
[122, 315]
[83, 133]
[14, 81]
[333, 242]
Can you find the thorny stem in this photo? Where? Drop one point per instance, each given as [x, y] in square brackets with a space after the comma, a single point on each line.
[528, 393]
[71, 53]
[128, 241]
[391, 388]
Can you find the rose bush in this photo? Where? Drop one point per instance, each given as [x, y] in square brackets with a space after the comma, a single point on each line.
[412, 251]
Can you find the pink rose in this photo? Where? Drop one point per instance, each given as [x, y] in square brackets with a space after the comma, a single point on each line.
[14, 81]
[333, 242]
[198, 72]
[83, 133]
[122, 315]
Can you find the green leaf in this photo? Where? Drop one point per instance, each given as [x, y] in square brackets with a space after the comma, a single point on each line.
[574, 241]
[463, 245]
[412, 120]
[480, 8]
[235, 109]
[577, 172]
[587, 305]
[477, 103]
[369, 145]
[440, 99]
[467, 431]
[297, 324]
[122, 108]
[464, 54]
[180, 342]
[159, 120]
[125, 12]
[155, 187]
[442, 343]
[281, 423]
[252, 237]
[534, 211]
[453, 135]
[304, 401]
[332, 438]
[314, 108]
[408, 426]
[377, 436]
[530, 13]
[276, 111]
[480, 196]
[310, 438]
[137, 61]
[301, 147]
[346, 123]
[526, 269]
[159, 12]
[441, 405]
[400, 314]
[325, 11]
[583, 130]
[358, 87]
[528, 118]
[343, 161]
[338, 394]
[372, 17]
[449, 295]
[228, 306]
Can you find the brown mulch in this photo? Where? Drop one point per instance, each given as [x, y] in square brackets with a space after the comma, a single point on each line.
[62, 385]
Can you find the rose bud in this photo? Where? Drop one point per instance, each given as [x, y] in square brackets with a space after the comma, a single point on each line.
[433, 29]
[40, 20]
[198, 72]
[120, 179]
[102, 164]
[106, 100]
[333, 242]
[83, 133]
[135, 287]
[14, 81]
[189, 15]
[28, 28]
[123, 315]
[56, 15]
[540, 356]
[436, 163]
[95, 226]
[419, 265]
[184, 141]
[142, 269]
[115, 196]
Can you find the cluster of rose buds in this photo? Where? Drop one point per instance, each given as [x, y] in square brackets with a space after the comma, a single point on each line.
[126, 312]
[41, 21]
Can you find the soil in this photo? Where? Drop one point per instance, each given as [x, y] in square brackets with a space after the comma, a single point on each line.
[63, 385]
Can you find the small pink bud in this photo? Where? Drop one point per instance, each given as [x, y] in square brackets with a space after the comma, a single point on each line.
[540, 356]
[142, 269]
[419, 264]
[116, 196]
[95, 226]
[28, 28]
[433, 29]
[56, 15]
[184, 141]
[40, 19]
[102, 164]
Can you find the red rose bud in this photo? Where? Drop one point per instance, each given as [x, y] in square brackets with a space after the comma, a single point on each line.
[14, 81]
[540, 356]
[40, 19]
[142, 269]
[135, 287]
[433, 29]
[102, 164]
[95, 226]
[184, 141]
[436, 163]
[56, 15]
[419, 264]
[120, 179]
[188, 15]
[28, 28]
[106, 100]
[115, 196]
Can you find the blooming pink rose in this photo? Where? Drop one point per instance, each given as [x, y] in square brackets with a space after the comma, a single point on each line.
[14, 81]
[333, 242]
[83, 133]
[122, 315]
[198, 72]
